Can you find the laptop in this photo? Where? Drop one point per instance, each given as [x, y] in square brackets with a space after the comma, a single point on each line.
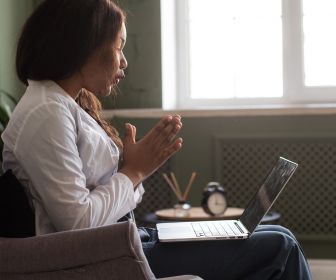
[233, 229]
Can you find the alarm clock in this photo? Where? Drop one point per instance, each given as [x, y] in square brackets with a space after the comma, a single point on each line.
[214, 200]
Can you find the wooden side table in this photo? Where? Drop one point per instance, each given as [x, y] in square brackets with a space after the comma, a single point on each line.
[197, 214]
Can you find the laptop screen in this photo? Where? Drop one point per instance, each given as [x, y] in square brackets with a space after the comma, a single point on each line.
[267, 194]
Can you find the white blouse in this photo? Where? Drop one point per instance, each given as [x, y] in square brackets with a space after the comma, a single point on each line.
[66, 162]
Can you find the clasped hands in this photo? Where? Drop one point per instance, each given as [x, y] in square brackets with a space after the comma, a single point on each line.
[143, 158]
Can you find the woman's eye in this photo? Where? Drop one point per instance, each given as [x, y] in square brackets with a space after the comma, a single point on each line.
[120, 45]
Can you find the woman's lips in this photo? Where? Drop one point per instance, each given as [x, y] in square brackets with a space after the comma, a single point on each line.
[118, 78]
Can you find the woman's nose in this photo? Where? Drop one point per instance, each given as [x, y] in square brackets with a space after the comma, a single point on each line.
[123, 62]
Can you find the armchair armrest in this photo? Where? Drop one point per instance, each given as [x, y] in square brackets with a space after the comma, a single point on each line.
[110, 252]
[55, 253]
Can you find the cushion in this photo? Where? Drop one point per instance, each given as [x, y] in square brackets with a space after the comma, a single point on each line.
[17, 219]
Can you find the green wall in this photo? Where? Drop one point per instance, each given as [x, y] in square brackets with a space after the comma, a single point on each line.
[13, 14]
[142, 85]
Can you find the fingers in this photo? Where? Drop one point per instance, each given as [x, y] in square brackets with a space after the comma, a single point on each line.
[161, 125]
[133, 134]
[154, 149]
[130, 134]
[173, 148]
[169, 133]
[165, 123]
[161, 142]
[165, 131]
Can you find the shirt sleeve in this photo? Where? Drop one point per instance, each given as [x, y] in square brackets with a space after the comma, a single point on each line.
[49, 155]
[139, 193]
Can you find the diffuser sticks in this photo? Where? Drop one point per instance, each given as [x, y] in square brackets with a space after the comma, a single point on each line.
[175, 187]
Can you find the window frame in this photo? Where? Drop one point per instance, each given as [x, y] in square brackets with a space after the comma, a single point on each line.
[175, 61]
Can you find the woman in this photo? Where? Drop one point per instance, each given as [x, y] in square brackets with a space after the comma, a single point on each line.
[67, 157]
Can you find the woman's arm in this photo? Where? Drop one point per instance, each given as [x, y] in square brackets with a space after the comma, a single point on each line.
[48, 152]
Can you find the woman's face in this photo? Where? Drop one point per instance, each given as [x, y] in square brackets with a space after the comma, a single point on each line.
[105, 68]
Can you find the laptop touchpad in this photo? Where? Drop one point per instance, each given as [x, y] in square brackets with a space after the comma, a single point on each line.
[180, 229]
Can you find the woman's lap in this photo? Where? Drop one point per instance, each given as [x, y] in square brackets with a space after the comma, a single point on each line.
[264, 255]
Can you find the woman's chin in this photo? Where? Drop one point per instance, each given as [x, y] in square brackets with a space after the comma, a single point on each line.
[104, 92]
[108, 91]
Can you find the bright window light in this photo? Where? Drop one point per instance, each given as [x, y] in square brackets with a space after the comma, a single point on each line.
[248, 53]
[319, 22]
[235, 49]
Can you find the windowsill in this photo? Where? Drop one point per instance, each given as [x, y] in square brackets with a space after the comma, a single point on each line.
[274, 110]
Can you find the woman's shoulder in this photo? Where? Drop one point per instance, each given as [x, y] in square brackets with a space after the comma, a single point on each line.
[44, 94]
[42, 101]
[42, 104]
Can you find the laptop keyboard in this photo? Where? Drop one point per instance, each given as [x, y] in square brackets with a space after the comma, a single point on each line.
[218, 228]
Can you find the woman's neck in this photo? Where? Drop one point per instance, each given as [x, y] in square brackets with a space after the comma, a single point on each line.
[71, 86]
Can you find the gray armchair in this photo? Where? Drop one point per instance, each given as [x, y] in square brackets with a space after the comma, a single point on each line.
[109, 252]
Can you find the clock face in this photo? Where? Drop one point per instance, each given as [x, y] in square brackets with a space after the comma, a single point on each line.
[217, 203]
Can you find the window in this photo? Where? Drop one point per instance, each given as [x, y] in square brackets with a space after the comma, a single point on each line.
[248, 52]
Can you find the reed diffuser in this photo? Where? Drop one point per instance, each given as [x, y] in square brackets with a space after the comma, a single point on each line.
[182, 208]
